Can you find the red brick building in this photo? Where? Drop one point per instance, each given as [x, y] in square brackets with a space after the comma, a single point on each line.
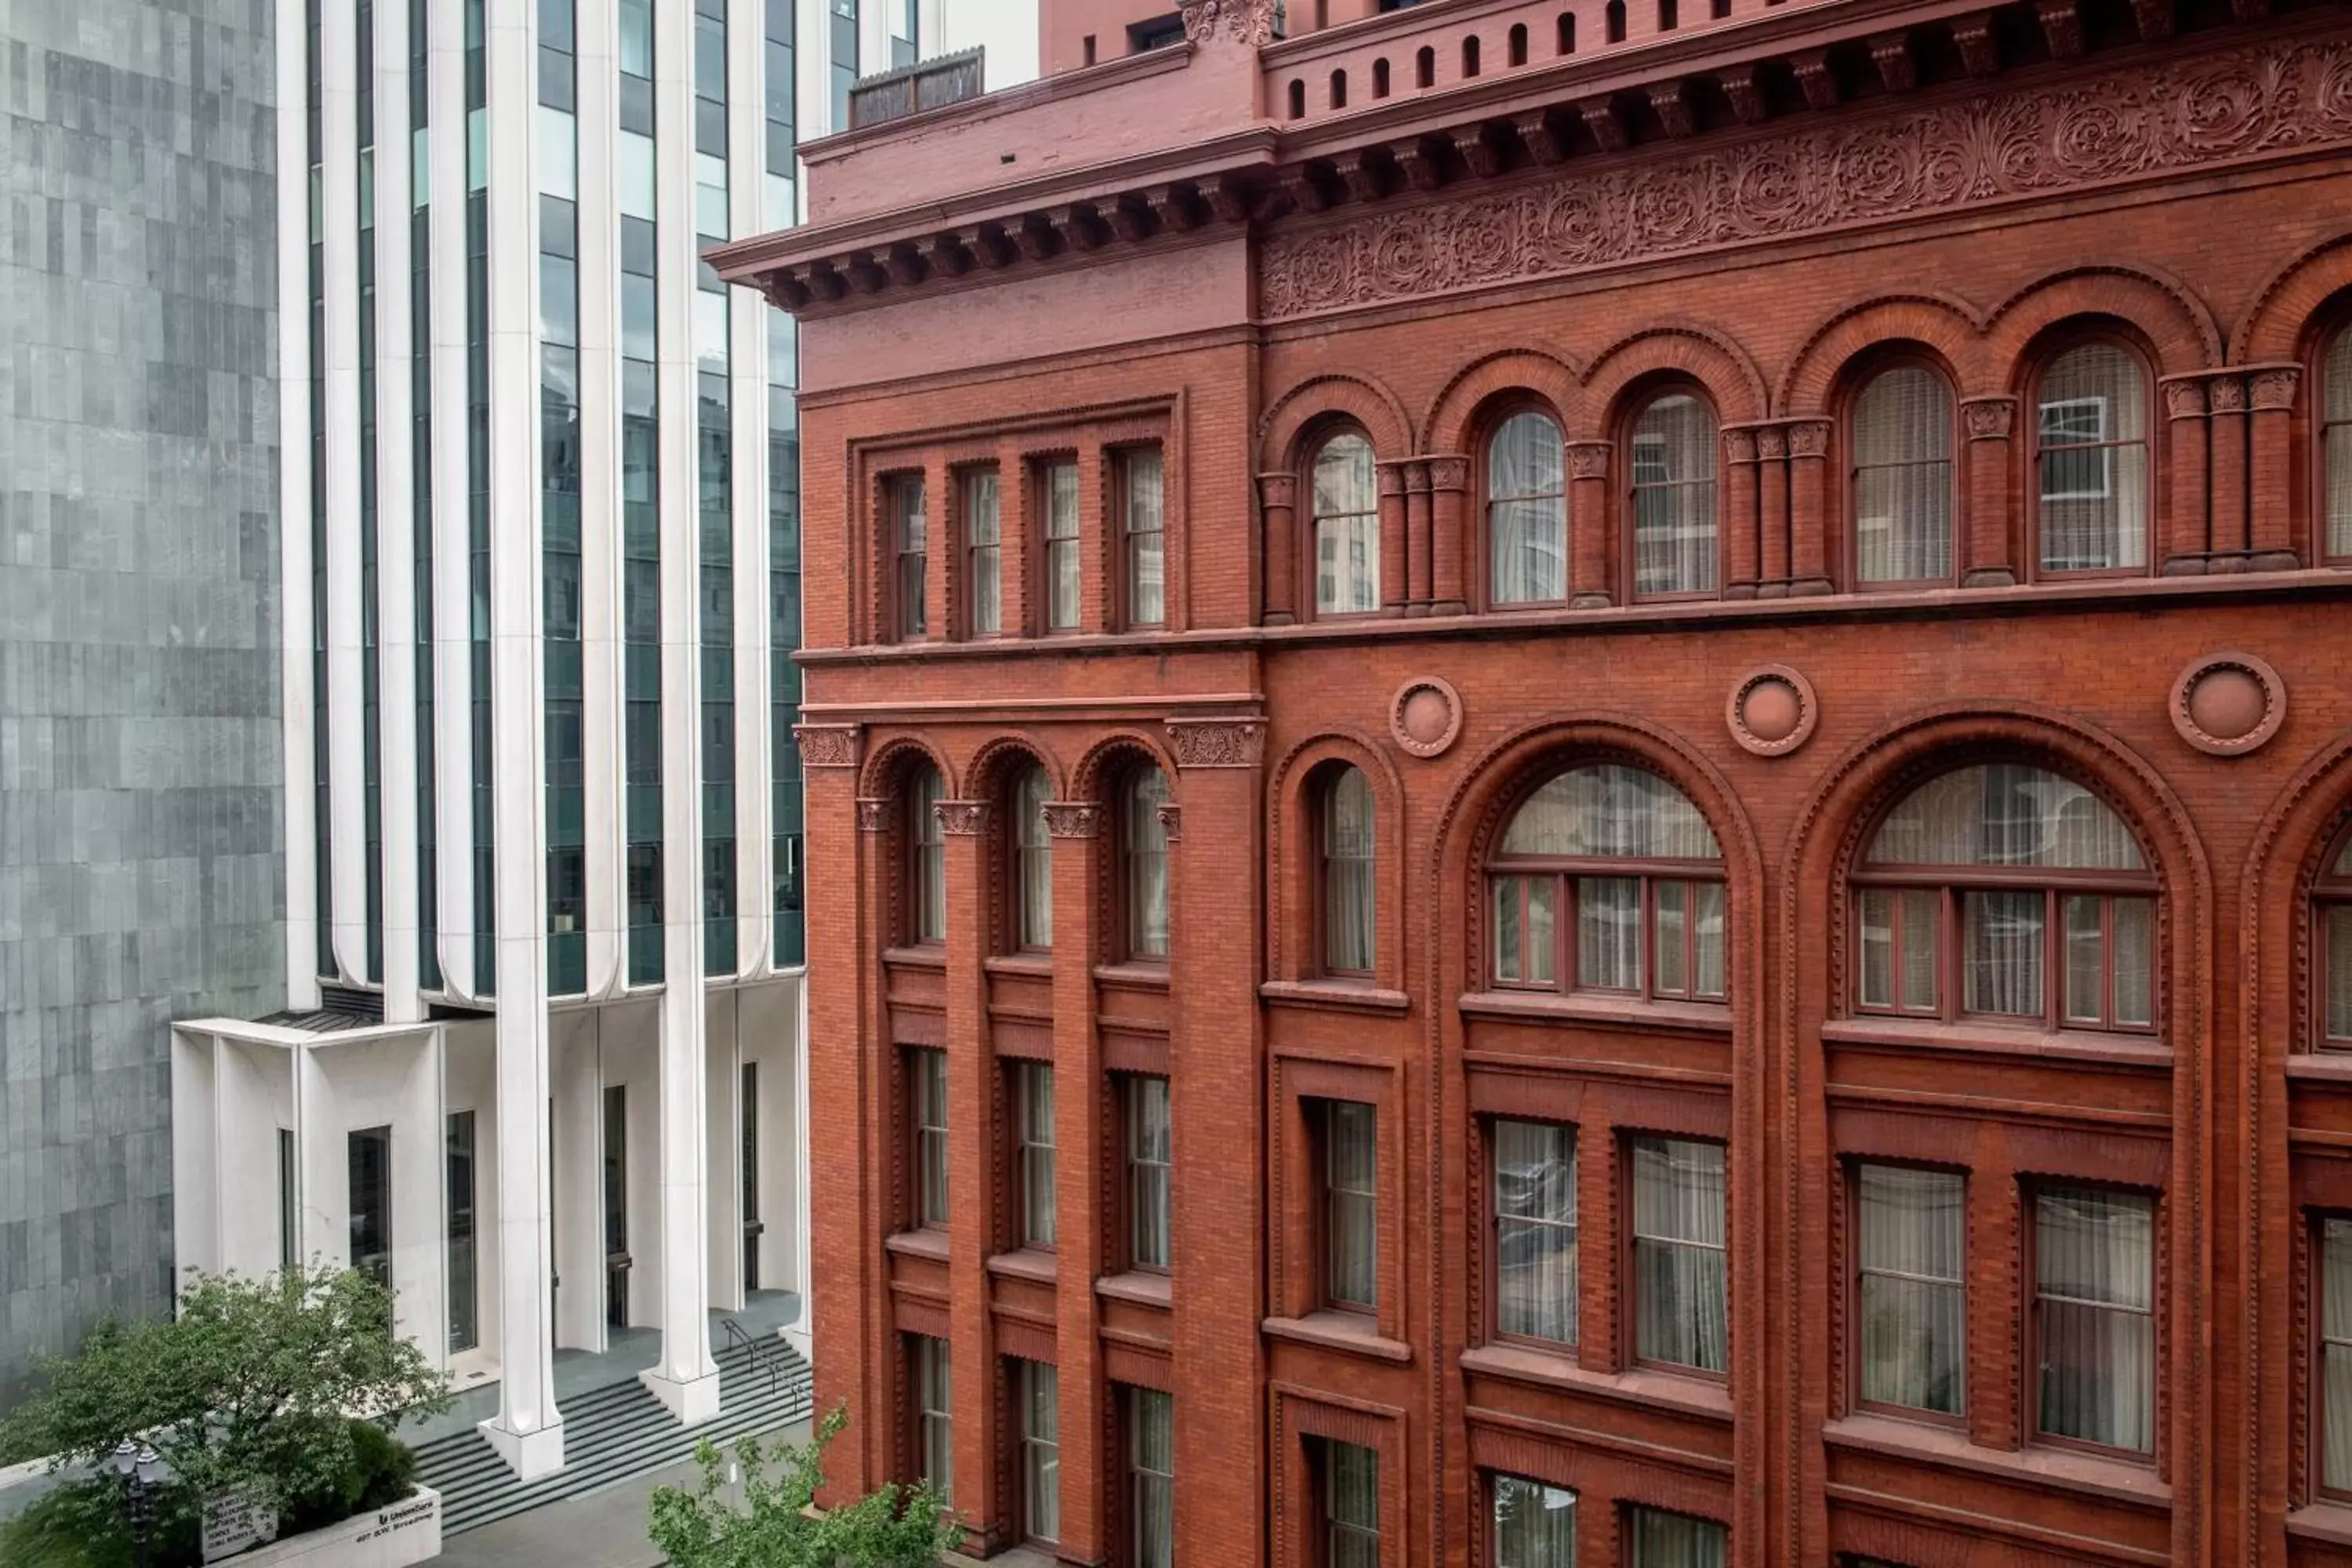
[1584, 771]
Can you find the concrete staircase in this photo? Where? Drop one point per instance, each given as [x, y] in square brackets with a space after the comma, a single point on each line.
[614, 1432]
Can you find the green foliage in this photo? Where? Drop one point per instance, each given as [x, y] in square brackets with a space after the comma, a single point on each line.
[383, 1471]
[82, 1525]
[252, 1385]
[771, 1526]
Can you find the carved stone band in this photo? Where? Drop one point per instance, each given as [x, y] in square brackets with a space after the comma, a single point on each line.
[1073, 819]
[1238, 743]
[826, 745]
[962, 816]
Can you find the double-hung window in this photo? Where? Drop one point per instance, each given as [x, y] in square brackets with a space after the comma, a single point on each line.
[1145, 522]
[1033, 1095]
[2095, 1316]
[1911, 1254]
[911, 535]
[1679, 1309]
[1061, 554]
[983, 553]
[1148, 1169]
[1351, 1204]
[1535, 1230]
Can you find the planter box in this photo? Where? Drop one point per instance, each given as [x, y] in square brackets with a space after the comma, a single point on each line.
[392, 1537]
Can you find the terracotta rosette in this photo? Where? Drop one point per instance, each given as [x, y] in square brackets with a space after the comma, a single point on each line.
[1771, 711]
[1425, 715]
[2227, 704]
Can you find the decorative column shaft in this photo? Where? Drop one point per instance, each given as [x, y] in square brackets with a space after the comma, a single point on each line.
[1742, 555]
[2184, 407]
[1278, 497]
[1449, 485]
[1589, 584]
[973, 1142]
[1772, 507]
[2226, 432]
[1986, 421]
[1810, 528]
[1394, 546]
[1081, 1133]
[2269, 479]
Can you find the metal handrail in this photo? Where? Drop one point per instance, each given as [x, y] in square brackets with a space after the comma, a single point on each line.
[735, 1331]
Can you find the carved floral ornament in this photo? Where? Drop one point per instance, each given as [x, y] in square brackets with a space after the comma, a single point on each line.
[962, 817]
[2225, 105]
[1217, 742]
[1073, 819]
[1988, 418]
[1247, 22]
[826, 745]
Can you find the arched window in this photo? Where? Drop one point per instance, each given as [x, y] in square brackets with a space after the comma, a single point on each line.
[1470, 56]
[1671, 461]
[1903, 506]
[2333, 938]
[1033, 861]
[1615, 15]
[1298, 100]
[1143, 864]
[1380, 79]
[1424, 68]
[1518, 43]
[1347, 528]
[1609, 879]
[2090, 451]
[2005, 891]
[927, 859]
[1526, 510]
[1669, 17]
[2335, 443]
[1338, 89]
[1348, 903]
[1567, 40]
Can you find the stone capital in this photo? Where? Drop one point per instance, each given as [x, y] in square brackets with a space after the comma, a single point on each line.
[1073, 819]
[1449, 473]
[1277, 489]
[1988, 418]
[1236, 743]
[827, 745]
[1588, 460]
[873, 813]
[962, 816]
[2273, 387]
[1809, 437]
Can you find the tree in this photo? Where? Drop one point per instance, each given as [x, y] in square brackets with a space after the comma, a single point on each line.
[252, 1388]
[774, 1527]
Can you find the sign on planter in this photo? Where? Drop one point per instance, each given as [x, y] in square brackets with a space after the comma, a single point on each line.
[237, 1519]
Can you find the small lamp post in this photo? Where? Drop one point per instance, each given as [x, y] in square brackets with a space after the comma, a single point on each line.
[141, 1468]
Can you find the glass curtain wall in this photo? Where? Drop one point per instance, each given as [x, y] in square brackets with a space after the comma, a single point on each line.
[371, 671]
[420, 348]
[477, 499]
[780, 207]
[324, 822]
[640, 499]
[714, 447]
[555, 146]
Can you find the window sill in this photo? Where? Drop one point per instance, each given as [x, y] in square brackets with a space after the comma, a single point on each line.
[1133, 975]
[1031, 1263]
[2116, 1480]
[930, 1244]
[1559, 1370]
[2322, 1066]
[1349, 1331]
[2048, 1044]
[930, 956]
[2330, 1523]
[1140, 1286]
[1621, 1012]
[1339, 996]
[1036, 965]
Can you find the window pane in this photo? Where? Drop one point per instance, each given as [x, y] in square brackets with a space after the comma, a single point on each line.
[1673, 497]
[1663, 1540]
[1347, 528]
[1526, 510]
[2005, 814]
[1903, 476]
[2132, 951]
[1146, 588]
[929, 1092]
[1609, 933]
[1147, 1165]
[1534, 1524]
[1671, 924]
[1708, 962]
[2336, 1354]
[2004, 956]
[930, 859]
[1678, 1253]
[2337, 919]
[1348, 893]
[2086, 955]
[1036, 850]
[1152, 1459]
[1061, 546]
[1875, 918]
[1041, 1451]
[2092, 431]
[1921, 910]
[1351, 1211]
[1611, 810]
[2094, 1287]
[981, 532]
[1036, 1111]
[1912, 1246]
[912, 542]
[934, 1399]
[1351, 1505]
[1535, 1230]
[1147, 867]
[2337, 371]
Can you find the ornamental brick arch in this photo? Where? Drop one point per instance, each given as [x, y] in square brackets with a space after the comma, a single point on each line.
[1325, 399]
[992, 765]
[886, 765]
[1946, 326]
[1109, 756]
[1455, 414]
[1686, 349]
[2279, 324]
[2170, 320]
[1291, 852]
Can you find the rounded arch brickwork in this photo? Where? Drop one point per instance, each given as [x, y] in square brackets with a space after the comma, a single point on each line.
[887, 765]
[1944, 323]
[1290, 852]
[991, 767]
[2177, 324]
[1712, 358]
[1110, 753]
[1321, 398]
[2281, 318]
[1452, 423]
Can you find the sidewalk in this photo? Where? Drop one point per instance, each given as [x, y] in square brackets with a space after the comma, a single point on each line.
[602, 1529]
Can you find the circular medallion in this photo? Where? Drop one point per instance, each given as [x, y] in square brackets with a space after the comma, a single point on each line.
[2226, 704]
[1772, 711]
[1425, 715]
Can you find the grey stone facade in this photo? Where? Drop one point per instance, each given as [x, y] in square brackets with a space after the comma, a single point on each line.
[141, 784]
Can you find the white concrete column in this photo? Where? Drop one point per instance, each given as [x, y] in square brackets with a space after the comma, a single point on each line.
[800, 1332]
[528, 1431]
[294, 501]
[453, 682]
[686, 1378]
[339, 181]
[596, 30]
[723, 1157]
[577, 1057]
[747, 400]
[395, 520]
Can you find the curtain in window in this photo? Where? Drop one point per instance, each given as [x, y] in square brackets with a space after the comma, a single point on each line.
[1535, 1230]
[982, 524]
[1678, 1253]
[1347, 528]
[1903, 476]
[1036, 853]
[2338, 919]
[2093, 442]
[2336, 1354]
[1690, 953]
[930, 1096]
[1898, 947]
[1147, 867]
[1351, 1212]
[1037, 1153]
[1673, 497]
[1348, 896]
[934, 1386]
[1061, 546]
[1151, 1447]
[1663, 1540]
[1612, 810]
[1147, 1169]
[1534, 1524]
[2095, 1284]
[930, 859]
[2337, 371]
[1352, 1504]
[1526, 510]
[1912, 1244]
[1524, 932]
[912, 529]
[2005, 814]
[1041, 1450]
[2003, 959]
[1145, 535]
[1609, 933]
